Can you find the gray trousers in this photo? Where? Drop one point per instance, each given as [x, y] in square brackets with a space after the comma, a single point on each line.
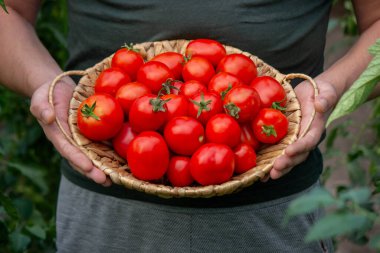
[92, 222]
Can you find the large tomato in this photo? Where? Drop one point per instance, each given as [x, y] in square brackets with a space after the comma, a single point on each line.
[205, 105]
[148, 156]
[121, 141]
[239, 65]
[154, 74]
[198, 68]
[271, 92]
[270, 126]
[177, 105]
[222, 83]
[192, 88]
[110, 80]
[184, 135]
[100, 117]
[212, 50]
[223, 129]
[174, 61]
[148, 113]
[179, 171]
[212, 164]
[129, 60]
[242, 103]
[248, 137]
[245, 158]
[128, 93]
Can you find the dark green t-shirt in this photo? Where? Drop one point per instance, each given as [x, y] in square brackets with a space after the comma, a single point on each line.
[287, 34]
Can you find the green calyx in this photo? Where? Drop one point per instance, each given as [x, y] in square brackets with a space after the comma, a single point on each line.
[269, 130]
[167, 86]
[233, 110]
[202, 105]
[224, 93]
[158, 104]
[130, 47]
[88, 111]
[277, 106]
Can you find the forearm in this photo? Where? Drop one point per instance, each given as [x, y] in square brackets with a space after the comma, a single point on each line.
[25, 63]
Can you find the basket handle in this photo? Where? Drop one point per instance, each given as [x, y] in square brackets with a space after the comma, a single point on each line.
[316, 92]
[51, 99]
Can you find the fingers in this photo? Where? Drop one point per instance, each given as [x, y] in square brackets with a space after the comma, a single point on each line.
[284, 164]
[95, 174]
[40, 108]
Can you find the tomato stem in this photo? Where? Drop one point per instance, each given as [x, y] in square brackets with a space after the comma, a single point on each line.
[88, 111]
[277, 106]
[130, 47]
[158, 104]
[269, 130]
[233, 110]
[202, 105]
[224, 93]
[166, 86]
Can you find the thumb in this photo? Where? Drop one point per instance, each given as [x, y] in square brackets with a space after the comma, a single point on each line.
[40, 107]
[327, 98]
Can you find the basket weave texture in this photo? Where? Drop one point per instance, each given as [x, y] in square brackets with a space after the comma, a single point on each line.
[105, 158]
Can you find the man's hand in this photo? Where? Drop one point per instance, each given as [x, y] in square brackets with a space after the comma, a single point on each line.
[323, 104]
[45, 114]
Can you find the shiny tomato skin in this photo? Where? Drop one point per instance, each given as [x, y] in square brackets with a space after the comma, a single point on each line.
[246, 99]
[270, 91]
[192, 88]
[270, 126]
[212, 50]
[143, 118]
[223, 129]
[198, 68]
[110, 80]
[214, 107]
[128, 60]
[148, 156]
[177, 105]
[106, 120]
[239, 65]
[174, 61]
[184, 135]
[121, 141]
[245, 158]
[212, 164]
[179, 171]
[248, 137]
[154, 74]
[129, 92]
[223, 81]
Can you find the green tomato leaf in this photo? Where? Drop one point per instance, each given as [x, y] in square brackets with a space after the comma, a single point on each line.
[317, 198]
[9, 208]
[19, 241]
[2, 4]
[336, 224]
[359, 195]
[37, 231]
[358, 93]
[375, 242]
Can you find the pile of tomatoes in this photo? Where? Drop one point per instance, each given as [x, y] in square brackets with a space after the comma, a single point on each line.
[197, 118]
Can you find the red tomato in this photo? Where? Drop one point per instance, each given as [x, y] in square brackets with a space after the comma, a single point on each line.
[100, 117]
[205, 105]
[110, 80]
[223, 129]
[248, 137]
[222, 83]
[270, 126]
[271, 92]
[128, 93]
[148, 156]
[245, 158]
[174, 61]
[147, 113]
[128, 60]
[212, 164]
[212, 50]
[121, 141]
[192, 88]
[179, 171]
[177, 105]
[239, 65]
[154, 74]
[242, 103]
[184, 135]
[198, 68]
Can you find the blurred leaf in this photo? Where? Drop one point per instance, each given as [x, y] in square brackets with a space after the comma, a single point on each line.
[336, 224]
[356, 173]
[359, 195]
[55, 31]
[34, 174]
[37, 231]
[19, 241]
[2, 4]
[24, 207]
[8, 206]
[3, 234]
[317, 198]
[374, 242]
[358, 93]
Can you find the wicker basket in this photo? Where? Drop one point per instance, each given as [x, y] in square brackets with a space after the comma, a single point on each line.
[104, 157]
